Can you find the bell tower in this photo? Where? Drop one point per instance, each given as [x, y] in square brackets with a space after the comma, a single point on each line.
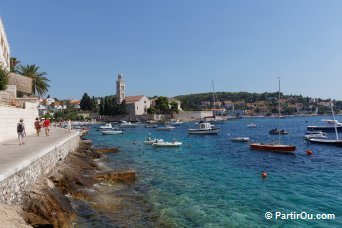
[120, 89]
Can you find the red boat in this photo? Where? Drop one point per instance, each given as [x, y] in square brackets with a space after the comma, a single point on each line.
[273, 147]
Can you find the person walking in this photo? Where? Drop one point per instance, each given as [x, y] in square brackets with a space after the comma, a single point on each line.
[37, 126]
[47, 124]
[21, 131]
[69, 124]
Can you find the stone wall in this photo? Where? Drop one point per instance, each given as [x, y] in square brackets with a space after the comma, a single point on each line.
[22, 177]
[9, 118]
[24, 84]
[193, 115]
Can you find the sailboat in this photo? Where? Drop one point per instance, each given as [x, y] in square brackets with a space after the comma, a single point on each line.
[215, 119]
[274, 147]
[334, 142]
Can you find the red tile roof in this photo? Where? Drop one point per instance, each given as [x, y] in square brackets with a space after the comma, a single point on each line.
[132, 99]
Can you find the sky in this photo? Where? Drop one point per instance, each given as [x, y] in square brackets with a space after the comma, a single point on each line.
[170, 48]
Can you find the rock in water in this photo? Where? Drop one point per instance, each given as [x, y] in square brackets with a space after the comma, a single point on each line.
[107, 150]
[125, 176]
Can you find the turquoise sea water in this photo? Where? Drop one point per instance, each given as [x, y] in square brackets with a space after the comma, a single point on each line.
[213, 182]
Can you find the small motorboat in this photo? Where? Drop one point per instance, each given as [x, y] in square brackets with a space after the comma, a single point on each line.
[251, 125]
[150, 141]
[278, 132]
[240, 139]
[315, 135]
[174, 143]
[111, 132]
[204, 129]
[107, 126]
[151, 125]
[127, 124]
[165, 128]
[175, 123]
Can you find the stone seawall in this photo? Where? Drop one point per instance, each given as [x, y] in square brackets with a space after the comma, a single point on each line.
[21, 177]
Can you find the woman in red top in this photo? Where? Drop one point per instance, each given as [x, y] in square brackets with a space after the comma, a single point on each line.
[47, 126]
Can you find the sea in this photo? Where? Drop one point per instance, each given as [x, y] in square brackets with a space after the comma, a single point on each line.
[211, 181]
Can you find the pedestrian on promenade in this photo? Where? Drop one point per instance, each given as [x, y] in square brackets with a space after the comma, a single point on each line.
[47, 124]
[69, 124]
[21, 131]
[37, 126]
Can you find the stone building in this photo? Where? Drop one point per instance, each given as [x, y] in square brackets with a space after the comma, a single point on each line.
[120, 89]
[135, 105]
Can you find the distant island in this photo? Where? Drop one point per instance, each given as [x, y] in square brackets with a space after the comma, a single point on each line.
[257, 103]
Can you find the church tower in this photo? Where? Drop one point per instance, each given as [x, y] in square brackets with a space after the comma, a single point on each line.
[120, 89]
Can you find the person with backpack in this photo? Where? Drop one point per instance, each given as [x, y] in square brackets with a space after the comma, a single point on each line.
[37, 126]
[21, 131]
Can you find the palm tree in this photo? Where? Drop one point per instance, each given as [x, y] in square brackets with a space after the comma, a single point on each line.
[39, 81]
[13, 64]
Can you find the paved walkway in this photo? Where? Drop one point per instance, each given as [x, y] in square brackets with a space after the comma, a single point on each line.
[14, 157]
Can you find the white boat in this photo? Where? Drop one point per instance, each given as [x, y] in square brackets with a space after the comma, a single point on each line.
[315, 135]
[128, 124]
[151, 125]
[204, 129]
[107, 126]
[175, 123]
[111, 132]
[240, 139]
[165, 128]
[167, 144]
[251, 125]
[151, 141]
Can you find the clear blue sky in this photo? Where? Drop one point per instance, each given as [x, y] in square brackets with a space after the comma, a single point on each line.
[178, 47]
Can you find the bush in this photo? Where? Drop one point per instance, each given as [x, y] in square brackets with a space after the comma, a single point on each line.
[4, 74]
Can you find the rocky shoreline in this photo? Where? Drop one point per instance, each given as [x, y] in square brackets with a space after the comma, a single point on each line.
[49, 202]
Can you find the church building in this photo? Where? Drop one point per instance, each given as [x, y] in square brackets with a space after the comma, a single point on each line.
[135, 105]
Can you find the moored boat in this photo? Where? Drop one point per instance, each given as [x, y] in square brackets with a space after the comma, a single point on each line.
[278, 132]
[251, 125]
[273, 147]
[111, 132]
[240, 139]
[204, 129]
[333, 142]
[151, 141]
[315, 135]
[167, 144]
[107, 126]
[165, 128]
[127, 124]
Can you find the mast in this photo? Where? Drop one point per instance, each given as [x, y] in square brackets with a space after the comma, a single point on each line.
[279, 111]
[212, 83]
[332, 111]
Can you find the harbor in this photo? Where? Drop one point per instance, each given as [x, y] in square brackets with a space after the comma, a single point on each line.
[212, 180]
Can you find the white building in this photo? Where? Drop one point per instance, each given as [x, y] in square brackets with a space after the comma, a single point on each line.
[137, 105]
[4, 48]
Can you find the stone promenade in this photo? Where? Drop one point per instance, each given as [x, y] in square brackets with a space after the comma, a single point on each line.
[15, 157]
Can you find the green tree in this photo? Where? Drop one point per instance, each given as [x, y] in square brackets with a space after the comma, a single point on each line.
[4, 74]
[151, 110]
[162, 105]
[40, 83]
[85, 103]
[174, 108]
